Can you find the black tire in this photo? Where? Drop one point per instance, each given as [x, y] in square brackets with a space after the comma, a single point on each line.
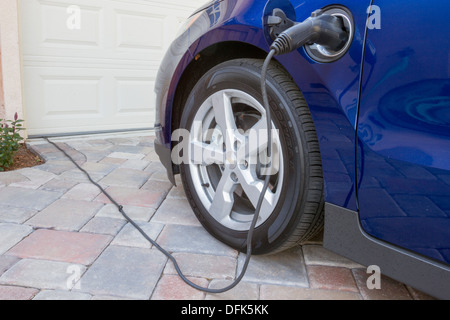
[298, 215]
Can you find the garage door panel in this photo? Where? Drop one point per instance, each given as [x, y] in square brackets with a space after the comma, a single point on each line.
[104, 28]
[59, 28]
[88, 100]
[100, 76]
[133, 95]
[72, 96]
[130, 26]
[58, 96]
[45, 24]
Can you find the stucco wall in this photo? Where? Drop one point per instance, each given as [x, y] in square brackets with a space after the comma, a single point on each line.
[10, 60]
[2, 102]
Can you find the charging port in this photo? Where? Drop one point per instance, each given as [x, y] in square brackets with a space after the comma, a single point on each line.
[326, 35]
[322, 54]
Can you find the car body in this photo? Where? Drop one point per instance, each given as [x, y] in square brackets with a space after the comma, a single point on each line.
[381, 113]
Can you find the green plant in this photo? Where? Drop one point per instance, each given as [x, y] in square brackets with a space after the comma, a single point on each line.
[10, 140]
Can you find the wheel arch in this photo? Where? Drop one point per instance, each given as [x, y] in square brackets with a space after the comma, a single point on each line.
[206, 60]
[244, 38]
[320, 102]
[203, 61]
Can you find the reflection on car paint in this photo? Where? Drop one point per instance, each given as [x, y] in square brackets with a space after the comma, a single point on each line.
[403, 145]
[403, 131]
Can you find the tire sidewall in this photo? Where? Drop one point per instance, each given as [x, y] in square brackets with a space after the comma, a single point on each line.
[278, 227]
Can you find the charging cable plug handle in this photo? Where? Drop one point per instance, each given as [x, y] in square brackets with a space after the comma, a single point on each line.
[322, 29]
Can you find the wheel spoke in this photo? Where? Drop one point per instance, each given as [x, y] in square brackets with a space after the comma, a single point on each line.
[223, 111]
[253, 187]
[223, 200]
[257, 140]
[257, 148]
[226, 163]
[206, 154]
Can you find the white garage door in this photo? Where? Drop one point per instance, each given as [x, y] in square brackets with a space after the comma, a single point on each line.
[90, 65]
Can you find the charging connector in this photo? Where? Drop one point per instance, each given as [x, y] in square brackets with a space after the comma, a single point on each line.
[323, 29]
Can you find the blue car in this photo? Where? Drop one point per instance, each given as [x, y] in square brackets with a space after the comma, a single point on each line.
[360, 128]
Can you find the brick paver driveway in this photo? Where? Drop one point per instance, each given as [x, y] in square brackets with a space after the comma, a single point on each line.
[60, 238]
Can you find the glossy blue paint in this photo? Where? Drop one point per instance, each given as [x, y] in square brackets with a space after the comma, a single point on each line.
[215, 24]
[332, 99]
[331, 91]
[398, 107]
[404, 129]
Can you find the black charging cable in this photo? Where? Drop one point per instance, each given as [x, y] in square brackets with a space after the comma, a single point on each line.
[257, 210]
[321, 29]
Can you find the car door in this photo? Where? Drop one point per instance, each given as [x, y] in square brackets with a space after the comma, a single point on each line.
[403, 144]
